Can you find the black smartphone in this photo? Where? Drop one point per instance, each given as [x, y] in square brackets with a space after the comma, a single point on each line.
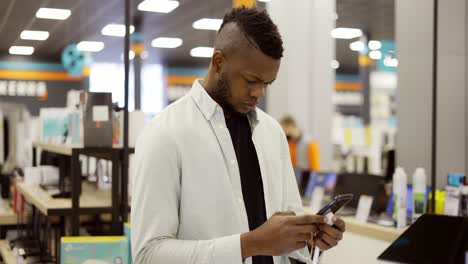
[336, 204]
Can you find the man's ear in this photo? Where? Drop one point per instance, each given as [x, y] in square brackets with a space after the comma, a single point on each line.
[217, 61]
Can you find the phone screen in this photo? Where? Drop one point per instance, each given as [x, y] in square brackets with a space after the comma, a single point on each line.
[336, 204]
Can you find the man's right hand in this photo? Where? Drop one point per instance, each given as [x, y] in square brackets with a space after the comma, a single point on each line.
[283, 233]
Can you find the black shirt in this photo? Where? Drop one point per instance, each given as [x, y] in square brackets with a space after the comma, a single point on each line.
[250, 174]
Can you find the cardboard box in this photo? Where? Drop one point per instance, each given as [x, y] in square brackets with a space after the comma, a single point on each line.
[95, 250]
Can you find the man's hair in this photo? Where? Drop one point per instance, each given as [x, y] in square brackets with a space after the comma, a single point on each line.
[258, 28]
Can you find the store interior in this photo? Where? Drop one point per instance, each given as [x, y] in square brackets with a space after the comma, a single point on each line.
[371, 94]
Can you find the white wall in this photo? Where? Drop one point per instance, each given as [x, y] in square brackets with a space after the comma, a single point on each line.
[414, 39]
[306, 80]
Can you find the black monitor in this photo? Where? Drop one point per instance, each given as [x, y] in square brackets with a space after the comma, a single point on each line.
[363, 184]
[431, 239]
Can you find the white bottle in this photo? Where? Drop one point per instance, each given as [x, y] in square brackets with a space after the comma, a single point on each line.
[419, 193]
[399, 196]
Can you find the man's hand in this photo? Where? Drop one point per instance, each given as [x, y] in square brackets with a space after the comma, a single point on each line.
[283, 233]
[329, 236]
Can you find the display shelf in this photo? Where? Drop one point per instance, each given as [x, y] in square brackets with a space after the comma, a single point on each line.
[7, 216]
[7, 254]
[91, 198]
[372, 230]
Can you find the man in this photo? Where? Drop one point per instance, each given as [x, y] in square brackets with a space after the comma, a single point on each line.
[214, 181]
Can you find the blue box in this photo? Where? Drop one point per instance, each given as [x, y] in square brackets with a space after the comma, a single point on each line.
[102, 250]
[127, 233]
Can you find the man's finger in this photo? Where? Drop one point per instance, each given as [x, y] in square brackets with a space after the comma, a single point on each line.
[322, 245]
[332, 231]
[304, 229]
[331, 241]
[300, 245]
[290, 213]
[339, 223]
[307, 219]
[303, 237]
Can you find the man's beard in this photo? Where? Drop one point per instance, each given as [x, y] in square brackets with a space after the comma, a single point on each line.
[222, 93]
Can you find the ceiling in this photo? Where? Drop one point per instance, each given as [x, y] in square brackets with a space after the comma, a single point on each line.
[376, 17]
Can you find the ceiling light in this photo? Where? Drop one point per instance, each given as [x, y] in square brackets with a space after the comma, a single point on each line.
[346, 33]
[335, 64]
[168, 43]
[202, 52]
[357, 46]
[53, 13]
[375, 55]
[90, 46]
[21, 50]
[375, 45]
[34, 35]
[116, 30]
[207, 24]
[266, 1]
[159, 6]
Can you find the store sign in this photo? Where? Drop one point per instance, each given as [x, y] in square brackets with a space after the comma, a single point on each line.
[23, 88]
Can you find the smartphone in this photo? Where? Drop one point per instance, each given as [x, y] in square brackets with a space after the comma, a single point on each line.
[336, 204]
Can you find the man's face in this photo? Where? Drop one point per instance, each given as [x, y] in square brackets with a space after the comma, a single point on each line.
[244, 78]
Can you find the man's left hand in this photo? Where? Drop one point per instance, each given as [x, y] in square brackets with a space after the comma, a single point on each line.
[329, 236]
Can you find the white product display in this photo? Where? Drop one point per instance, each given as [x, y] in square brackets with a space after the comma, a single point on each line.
[399, 196]
[452, 201]
[2, 139]
[419, 193]
[47, 175]
[103, 174]
[364, 208]
[54, 124]
[316, 199]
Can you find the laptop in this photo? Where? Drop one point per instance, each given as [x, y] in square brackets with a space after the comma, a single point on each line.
[432, 239]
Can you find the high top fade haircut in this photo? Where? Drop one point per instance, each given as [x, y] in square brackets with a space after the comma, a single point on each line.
[258, 28]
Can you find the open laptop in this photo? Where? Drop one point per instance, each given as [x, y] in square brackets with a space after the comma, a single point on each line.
[431, 239]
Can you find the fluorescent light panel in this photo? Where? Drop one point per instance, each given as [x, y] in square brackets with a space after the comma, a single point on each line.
[202, 52]
[90, 46]
[159, 6]
[168, 43]
[375, 45]
[116, 30]
[208, 24]
[34, 35]
[346, 33]
[21, 50]
[53, 13]
[357, 46]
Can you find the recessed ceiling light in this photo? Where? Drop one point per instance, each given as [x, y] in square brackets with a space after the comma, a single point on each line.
[53, 13]
[202, 52]
[168, 43]
[21, 50]
[34, 35]
[90, 46]
[357, 46]
[159, 6]
[375, 45]
[375, 55]
[346, 33]
[208, 24]
[116, 30]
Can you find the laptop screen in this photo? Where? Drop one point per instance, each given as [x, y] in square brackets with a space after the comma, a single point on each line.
[431, 239]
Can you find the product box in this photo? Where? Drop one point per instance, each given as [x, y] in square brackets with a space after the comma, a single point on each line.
[95, 250]
[127, 233]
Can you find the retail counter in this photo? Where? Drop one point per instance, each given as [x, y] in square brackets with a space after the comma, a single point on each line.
[362, 242]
